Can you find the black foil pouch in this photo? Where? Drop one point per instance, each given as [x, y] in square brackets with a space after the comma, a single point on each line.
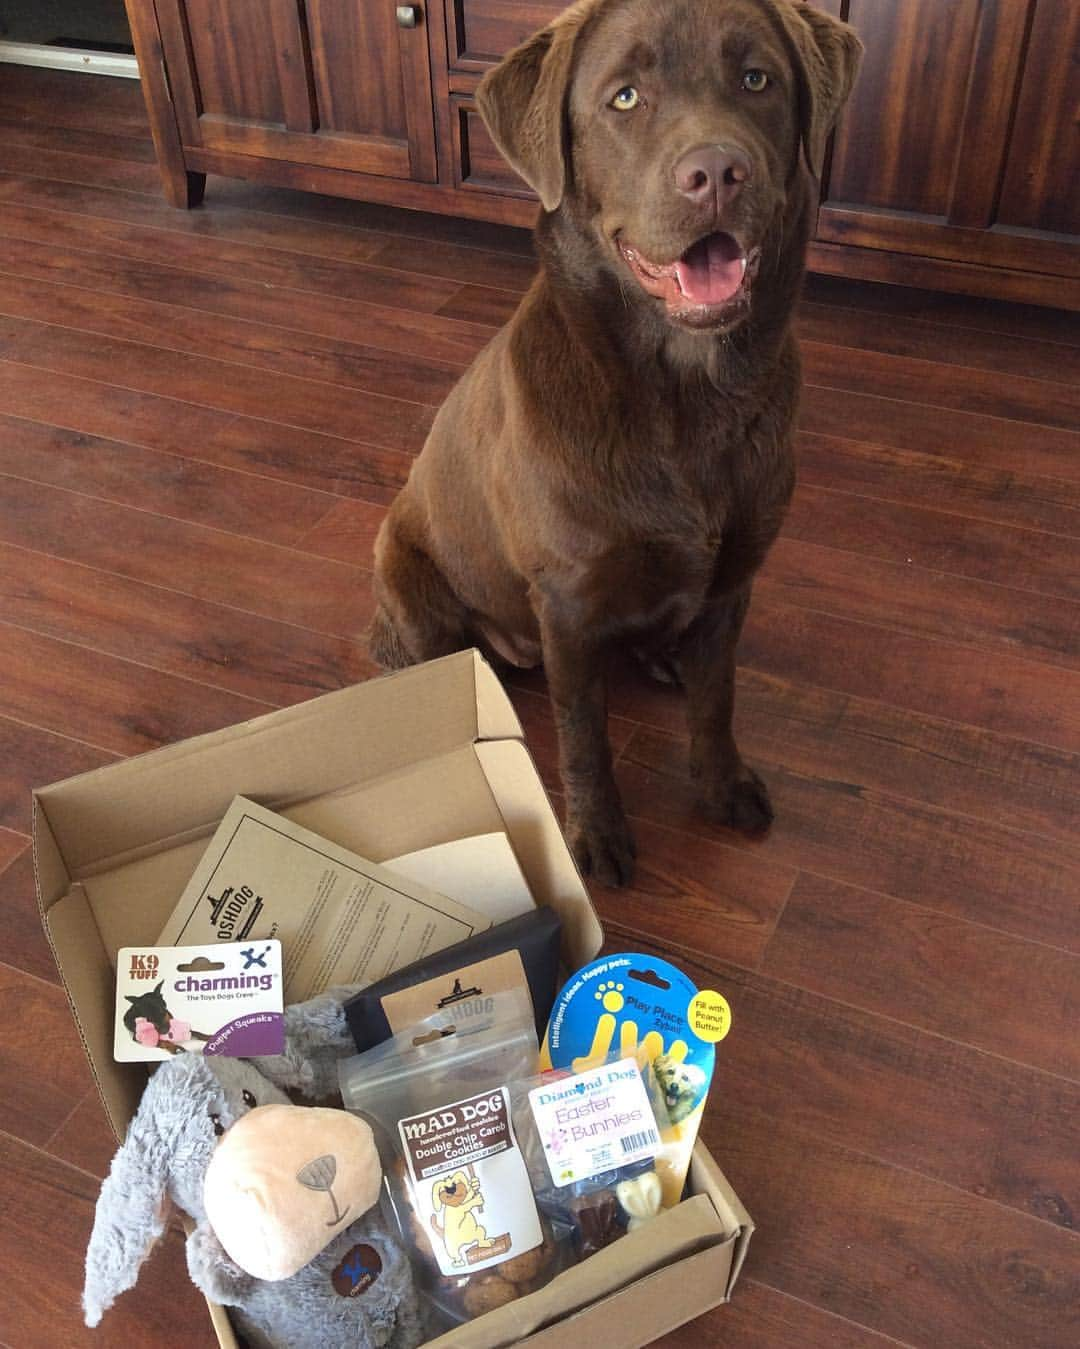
[522, 952]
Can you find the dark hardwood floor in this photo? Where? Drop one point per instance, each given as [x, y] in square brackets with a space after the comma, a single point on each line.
[202, 418]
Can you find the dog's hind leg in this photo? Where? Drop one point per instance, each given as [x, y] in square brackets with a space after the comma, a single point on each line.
[418, 616]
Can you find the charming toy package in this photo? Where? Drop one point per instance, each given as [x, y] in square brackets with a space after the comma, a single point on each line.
[647, 1012]
[222, 999]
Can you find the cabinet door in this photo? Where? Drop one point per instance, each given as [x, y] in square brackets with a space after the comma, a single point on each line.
[481, 32]
[1042, 176]
[336, 83]
[920, 159]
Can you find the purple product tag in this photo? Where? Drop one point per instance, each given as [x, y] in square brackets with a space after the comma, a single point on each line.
[249, 1036]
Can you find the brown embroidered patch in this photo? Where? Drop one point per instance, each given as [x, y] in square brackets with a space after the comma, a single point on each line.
[358, 1270]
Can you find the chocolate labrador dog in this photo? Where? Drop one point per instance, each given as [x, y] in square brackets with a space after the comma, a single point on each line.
[612, 469]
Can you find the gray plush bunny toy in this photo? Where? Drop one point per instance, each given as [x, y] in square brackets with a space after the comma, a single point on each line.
[189, 1103]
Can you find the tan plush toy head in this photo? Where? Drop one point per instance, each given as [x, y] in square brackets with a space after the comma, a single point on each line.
[284, 1181]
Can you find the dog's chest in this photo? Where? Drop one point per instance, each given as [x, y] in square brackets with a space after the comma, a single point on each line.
[698, 539]
[654, 585]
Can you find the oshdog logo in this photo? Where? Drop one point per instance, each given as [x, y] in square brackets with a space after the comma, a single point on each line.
[233, 914]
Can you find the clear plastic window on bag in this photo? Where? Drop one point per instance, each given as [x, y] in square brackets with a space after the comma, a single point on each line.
[499, 1176]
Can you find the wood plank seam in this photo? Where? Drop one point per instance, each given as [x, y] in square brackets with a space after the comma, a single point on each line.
[716, 966]
[209, 407]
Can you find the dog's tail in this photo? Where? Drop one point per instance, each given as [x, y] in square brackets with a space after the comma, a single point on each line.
[385, 645]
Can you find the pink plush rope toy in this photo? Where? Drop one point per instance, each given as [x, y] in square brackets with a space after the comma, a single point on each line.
[147, 1033]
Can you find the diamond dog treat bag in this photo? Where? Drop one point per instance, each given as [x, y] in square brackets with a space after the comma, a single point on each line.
[591, 1140]
[642, 1008]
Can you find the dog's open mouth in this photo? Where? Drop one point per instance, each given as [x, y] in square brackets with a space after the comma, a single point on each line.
[702, 286]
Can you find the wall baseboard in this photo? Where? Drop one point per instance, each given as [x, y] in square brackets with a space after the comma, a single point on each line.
[66, 58]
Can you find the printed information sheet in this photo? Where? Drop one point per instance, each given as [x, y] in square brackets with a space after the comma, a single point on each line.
[340, 919]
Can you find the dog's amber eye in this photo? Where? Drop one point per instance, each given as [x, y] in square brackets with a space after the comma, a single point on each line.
[627, 98]
[754, 81]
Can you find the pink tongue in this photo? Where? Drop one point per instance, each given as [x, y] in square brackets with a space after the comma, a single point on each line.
[712, 271]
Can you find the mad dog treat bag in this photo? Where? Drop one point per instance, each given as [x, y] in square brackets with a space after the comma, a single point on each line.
[441, 1098]
[641, 1008]
[470, 1185]
[220, 999]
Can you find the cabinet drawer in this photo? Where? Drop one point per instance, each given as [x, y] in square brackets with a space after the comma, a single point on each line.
[477, 163]
[479, 32]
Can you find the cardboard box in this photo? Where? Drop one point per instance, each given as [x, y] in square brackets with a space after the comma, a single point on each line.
[405, 762]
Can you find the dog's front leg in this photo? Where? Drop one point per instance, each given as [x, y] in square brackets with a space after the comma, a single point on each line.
[596, 827]
[729, 792]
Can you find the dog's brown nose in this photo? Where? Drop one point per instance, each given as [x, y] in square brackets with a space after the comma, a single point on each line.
[712, 173]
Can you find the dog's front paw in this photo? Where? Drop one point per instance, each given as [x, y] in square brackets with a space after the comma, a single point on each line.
[603, 847]
[741, 802]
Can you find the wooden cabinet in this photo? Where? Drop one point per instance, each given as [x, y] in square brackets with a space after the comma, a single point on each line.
[957, 164]
[959, 153]
[478, 33]
[313, 82]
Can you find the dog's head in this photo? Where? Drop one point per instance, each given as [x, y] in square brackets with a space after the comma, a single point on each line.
[452, 1192]
[682, 1085]
[151, 1006]
[675, 127]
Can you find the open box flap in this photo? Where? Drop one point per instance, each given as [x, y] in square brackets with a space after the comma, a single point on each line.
[87, 975]
[353, 735]
[541, 851]
[475, 789]
[707, 1178]
[653, 1306]
[683, 1231]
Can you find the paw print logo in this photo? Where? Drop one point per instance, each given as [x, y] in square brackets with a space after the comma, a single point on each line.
[630, 1045]
[610, 995]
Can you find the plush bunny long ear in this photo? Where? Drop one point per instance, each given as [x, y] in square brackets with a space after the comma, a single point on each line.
[130, 1217]
[827, 55]
[523, 103]
[165, 1154]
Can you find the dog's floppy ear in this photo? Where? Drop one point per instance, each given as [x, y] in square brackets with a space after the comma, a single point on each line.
[827, 54]
[523, 103]
[436, 1196]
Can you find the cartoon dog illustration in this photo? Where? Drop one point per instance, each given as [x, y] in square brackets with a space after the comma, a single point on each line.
[458, 1197]
[150, 1022]
[681, 1084]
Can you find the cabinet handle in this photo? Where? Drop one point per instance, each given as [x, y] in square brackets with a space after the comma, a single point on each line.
[408, 16]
